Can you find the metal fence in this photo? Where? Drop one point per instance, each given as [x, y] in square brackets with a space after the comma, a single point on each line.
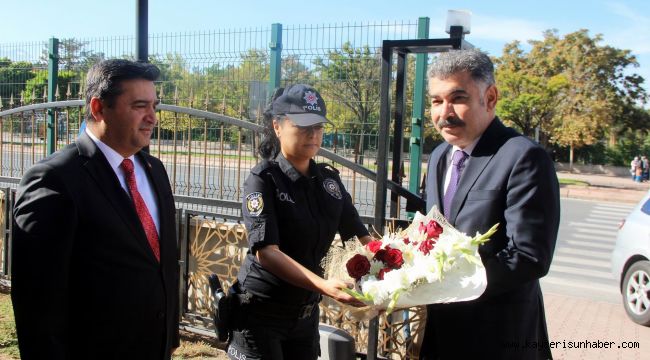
[204, 76]
[225, 72]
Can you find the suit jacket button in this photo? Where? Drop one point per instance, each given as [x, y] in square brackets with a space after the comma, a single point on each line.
[160, 315]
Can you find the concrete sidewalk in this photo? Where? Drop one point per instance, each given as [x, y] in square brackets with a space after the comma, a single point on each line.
[603, 188]
[574, 322]
[583, 322]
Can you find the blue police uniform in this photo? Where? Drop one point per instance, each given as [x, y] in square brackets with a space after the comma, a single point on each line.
[301, 215]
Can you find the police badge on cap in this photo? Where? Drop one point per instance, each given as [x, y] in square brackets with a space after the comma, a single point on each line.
[332, 188]
[254, 203]
[302, 104]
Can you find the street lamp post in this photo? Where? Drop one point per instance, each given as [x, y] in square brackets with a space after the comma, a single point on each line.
[457, 26]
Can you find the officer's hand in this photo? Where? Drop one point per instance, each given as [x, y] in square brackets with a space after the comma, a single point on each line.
[366, 239]
[332, 288]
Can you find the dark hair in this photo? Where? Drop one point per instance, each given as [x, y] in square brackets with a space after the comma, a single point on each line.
[473, 61]
[104, 79]
[269, 146]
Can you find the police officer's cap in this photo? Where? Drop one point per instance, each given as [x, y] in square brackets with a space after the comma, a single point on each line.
[302, 104]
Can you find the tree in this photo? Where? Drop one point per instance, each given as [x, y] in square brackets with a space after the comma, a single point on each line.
[74, 56]
[36, 87]
[596, 75]
[13, 78]
[528, 100]
[575, 89]
[351, 77]
[294, 71]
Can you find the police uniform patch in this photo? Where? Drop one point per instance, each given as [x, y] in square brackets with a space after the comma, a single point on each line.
[254, 203]
[332, 188]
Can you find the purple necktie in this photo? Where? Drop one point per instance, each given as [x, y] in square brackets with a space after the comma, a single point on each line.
[458, 161]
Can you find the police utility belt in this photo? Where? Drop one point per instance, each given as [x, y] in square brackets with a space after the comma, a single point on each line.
[249, 302]
[227, 306]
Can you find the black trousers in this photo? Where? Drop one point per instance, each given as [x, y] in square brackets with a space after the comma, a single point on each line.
[263, 331]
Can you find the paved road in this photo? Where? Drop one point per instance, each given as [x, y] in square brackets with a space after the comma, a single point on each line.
[581, 264]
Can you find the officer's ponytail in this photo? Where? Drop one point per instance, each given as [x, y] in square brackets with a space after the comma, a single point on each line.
[270, 145]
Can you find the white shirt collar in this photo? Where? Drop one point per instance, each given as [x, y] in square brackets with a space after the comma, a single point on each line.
[113, 157]
[468, 149]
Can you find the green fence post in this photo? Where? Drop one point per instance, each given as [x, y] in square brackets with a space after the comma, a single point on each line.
[275, 45]
[415, 144]
[52, 79]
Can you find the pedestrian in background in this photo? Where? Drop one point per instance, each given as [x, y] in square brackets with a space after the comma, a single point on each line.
[634, 164]
[645, 174]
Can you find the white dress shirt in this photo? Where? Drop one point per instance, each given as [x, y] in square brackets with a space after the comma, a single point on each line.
[144, 185]
[468, 150]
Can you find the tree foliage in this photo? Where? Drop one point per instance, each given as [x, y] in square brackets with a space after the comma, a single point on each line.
[13, 77]
[574, 89]
[350, 77]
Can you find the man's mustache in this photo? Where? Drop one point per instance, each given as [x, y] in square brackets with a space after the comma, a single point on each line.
[452, 121]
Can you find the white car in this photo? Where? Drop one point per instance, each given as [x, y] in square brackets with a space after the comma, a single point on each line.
[631, 262]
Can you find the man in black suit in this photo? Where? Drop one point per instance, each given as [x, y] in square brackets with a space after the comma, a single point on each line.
[95, 271]
[486, 173]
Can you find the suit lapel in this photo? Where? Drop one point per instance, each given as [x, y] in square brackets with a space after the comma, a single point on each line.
[479, 159]
[107, 182]
[435, 177]
[441, 169]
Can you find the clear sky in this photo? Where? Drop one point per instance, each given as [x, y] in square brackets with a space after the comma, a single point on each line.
[624, 24]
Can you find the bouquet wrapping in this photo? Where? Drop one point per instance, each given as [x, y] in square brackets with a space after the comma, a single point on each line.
[429, 262]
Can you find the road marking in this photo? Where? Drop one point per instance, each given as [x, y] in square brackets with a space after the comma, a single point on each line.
[601, 216]
[591, 226]
[612, 205]
[613, 223]
[588, 244]
[606, 255]
[608, 238]
[581, 284]
[600, 233]
[612, 212]
[587, 272]
[582, 261]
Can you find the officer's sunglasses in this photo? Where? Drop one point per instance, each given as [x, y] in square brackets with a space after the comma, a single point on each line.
[308, 130]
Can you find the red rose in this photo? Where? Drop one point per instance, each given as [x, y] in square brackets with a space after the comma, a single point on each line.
[382, 272]
[426, 246]
[374, 246]
[381, 254]
[358, 266]
[406, 240]
[433, 230]
[393, 258]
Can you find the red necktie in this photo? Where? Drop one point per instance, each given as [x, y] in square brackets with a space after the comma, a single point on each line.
[141, 208]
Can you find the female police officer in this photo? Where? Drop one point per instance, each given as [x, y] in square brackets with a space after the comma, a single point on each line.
[292, 209]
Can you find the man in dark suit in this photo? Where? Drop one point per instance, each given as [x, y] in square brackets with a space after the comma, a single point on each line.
[486, 173]
[95, 271]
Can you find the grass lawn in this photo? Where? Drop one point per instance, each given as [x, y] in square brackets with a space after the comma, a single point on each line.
[196, 347]
[8, 341]
[192, 347]
[572, 182]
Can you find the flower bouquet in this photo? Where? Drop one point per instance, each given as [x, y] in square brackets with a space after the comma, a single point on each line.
[429, 262]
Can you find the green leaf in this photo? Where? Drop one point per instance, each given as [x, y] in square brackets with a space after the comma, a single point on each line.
[482, 239]
[393, 301]
[366, 298]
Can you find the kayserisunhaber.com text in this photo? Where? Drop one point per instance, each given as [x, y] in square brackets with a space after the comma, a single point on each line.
[571, 344]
